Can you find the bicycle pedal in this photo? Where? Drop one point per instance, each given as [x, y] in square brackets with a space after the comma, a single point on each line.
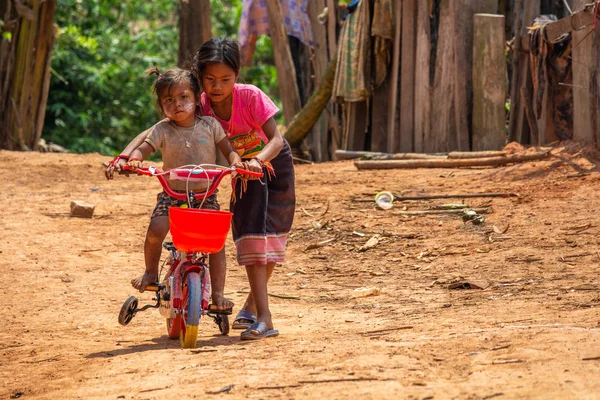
[213, 310]
[153, 287]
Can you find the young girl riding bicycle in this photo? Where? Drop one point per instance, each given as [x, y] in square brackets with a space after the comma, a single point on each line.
[183, 139]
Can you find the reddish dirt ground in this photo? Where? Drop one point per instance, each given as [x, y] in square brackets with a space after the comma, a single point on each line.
[532, 332]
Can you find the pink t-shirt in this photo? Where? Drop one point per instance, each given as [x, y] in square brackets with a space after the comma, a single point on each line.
[251, 109]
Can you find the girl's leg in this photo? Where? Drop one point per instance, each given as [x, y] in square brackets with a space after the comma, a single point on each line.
[217, 280]
[249, 305]
[157, 231]
[258, 277]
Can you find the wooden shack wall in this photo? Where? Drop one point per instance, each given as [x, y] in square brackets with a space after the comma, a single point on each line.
[425, 104]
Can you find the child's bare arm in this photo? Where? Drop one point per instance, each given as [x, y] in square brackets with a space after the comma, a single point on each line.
[138, 155]
[275, 144]
[229, 152]
[120, 162]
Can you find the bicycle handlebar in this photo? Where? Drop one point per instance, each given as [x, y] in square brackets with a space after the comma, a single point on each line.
[214, 178]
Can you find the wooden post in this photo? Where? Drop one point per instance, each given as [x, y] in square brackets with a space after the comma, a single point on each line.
[583, 44]
[392, 143]
[319, 139]
[286, 73]
[462, 15]
[514, 82]
[422, 86]
[441, 135]
[595, 89]
[195, 28]
[489, 83]
[407, 76]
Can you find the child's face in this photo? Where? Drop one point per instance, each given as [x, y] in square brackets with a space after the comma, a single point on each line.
[179, 104]
[217, 82]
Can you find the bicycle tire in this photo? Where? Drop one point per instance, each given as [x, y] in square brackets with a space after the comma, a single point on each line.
[192, 296]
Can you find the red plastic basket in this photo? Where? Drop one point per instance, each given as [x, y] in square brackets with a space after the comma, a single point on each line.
[200, 230]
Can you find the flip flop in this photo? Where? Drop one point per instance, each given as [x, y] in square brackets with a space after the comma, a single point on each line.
[243, 320]
[258, 330]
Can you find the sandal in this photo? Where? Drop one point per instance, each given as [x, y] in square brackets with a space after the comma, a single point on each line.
[243, 320]
[258, 331]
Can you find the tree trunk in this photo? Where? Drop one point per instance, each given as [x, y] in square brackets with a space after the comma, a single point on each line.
[25, 71]
[194, 28]
[302, 122]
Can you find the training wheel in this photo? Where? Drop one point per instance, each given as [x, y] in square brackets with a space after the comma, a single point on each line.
[128, 310]
[223, 322]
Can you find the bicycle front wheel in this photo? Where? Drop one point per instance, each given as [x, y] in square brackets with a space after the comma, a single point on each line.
[192, 296]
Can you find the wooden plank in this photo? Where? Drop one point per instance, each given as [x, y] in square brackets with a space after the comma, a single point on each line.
[595, 88]
[332, 25]
[407, 76]
[319, 136]
[584, 18]
[489, 83]
[356, 124]
[441, 135]
[392, 142]
[286, 73]
[462, 12]
[378, 117]
[422, 86]
[527, 100]
[583, 43]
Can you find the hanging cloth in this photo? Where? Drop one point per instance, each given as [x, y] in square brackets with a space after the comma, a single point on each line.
[254, 20]
[352, 74]
[382, 29]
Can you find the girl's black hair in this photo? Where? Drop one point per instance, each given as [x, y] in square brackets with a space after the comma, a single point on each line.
[171, 77]
[217, 50]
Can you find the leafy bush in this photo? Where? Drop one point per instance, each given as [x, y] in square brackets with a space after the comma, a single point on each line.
[99, 97]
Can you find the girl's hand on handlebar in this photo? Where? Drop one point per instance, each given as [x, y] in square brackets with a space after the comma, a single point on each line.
[117, 164]
[135, 163]
[253, 165]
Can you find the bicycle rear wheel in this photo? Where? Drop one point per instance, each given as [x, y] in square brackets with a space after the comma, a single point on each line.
[174, 327]
[192, 296]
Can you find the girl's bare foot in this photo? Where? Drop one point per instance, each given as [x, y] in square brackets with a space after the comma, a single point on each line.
[143, 281]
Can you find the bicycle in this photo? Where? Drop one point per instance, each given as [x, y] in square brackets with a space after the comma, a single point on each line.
[182, 296]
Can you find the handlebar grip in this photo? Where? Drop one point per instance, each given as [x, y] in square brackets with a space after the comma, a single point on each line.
[251, 173]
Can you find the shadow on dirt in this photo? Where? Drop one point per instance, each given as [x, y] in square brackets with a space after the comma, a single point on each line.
[163, 343]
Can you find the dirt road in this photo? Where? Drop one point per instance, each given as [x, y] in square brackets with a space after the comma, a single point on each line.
[533, 331]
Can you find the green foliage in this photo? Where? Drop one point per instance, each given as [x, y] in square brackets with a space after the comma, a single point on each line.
[99, 97]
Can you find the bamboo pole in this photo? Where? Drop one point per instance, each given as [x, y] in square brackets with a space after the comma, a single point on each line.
[458, 163]
[349, 154]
